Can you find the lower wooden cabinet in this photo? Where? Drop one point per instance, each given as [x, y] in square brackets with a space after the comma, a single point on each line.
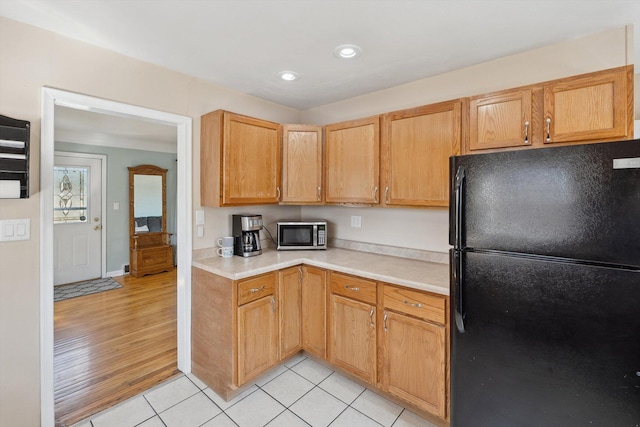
[290, 304]
[257, 338]
[352, 326]
[352, 342]
[314, 309]
[257, 335]
[413, 348]
[391, 337]
[413, 362]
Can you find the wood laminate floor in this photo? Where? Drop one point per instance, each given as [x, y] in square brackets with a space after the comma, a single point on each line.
[113, 345]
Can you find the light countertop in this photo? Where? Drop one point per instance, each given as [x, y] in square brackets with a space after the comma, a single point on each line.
[427, 276]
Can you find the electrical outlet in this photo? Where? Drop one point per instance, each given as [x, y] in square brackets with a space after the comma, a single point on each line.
[125, 268]
[356, 221]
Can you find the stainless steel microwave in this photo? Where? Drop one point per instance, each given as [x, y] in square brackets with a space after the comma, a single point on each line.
[302, 235]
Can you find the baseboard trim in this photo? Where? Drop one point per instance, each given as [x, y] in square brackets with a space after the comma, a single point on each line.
[115, 273]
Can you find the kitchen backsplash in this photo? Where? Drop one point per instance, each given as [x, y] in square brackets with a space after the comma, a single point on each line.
[423, 255]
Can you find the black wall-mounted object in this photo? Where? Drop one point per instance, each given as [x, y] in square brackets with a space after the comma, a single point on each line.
[14, 152]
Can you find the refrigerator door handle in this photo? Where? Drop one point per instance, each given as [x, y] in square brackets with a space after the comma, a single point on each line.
[459, 205]
[456, 272]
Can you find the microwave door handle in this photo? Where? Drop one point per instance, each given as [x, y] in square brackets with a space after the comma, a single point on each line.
[314, 236]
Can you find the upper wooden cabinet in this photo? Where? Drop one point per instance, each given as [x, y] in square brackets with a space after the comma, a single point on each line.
[596, 106]
[416, 145]
[239, 160]
[301, 164]
[500, 120]
[352, 161]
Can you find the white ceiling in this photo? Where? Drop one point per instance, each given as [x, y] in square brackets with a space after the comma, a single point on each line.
[243, 44]
[87, 127]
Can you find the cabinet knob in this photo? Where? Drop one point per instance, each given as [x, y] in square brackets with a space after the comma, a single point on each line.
[526, 133]
[373, 310]
[278, 192]
[375, 194]
[386, 194]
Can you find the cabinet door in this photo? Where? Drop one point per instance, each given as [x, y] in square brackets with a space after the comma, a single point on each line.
[414, 362]
[314, 303]
[301, 164]
[593, 107]
[500, 120]
[250, 161]
[257, 338]
[352, 338]
[289, 297]
[416, 147]
[352, 161]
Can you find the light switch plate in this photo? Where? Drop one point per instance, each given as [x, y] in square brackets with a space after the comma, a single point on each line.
[199, 217]
[15, 229]
[356, 221]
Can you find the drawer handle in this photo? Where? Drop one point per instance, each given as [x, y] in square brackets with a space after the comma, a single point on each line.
[254, 290]
[548, 122]
[352, 288]
[412, 304]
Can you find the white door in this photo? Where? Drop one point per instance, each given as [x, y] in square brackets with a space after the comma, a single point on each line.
[77, 218]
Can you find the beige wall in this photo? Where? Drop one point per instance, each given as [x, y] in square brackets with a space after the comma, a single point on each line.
[31, 58]
[428, 228]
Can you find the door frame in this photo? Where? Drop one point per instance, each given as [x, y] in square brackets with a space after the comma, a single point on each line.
[103, 203]
[50, 98]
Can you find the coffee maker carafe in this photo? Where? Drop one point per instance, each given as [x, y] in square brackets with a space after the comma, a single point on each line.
[246, 235]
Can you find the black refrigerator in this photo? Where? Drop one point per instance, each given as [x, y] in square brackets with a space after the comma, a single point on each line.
[545, 287]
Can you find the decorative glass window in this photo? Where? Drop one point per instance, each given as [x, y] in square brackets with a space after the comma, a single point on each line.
[70, 195]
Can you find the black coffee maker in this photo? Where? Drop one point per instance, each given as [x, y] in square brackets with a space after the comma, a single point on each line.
[246, 235]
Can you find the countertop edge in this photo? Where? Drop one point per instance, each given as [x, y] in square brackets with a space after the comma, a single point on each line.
[326, 265]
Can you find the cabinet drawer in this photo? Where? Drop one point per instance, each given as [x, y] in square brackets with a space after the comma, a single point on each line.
[354, 288]
[419, 304]
[155, 257]
[256, 288]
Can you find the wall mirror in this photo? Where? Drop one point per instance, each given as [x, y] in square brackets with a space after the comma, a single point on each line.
[147, 199]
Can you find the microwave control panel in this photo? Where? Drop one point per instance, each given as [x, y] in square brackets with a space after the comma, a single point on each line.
[321, 235]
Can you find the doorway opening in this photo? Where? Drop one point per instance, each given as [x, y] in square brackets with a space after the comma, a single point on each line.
[50, 99]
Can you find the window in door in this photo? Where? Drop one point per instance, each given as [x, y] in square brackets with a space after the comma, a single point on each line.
[70, 195]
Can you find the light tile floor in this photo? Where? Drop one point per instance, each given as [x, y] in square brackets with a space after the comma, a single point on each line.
[299, 392]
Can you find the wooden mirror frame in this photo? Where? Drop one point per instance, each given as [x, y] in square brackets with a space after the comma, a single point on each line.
[146, 170]
[149, 252]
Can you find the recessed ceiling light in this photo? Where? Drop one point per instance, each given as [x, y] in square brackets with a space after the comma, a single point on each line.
[288, 76]
[347, 51]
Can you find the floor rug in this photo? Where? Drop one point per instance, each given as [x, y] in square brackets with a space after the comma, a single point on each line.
[73, 290]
